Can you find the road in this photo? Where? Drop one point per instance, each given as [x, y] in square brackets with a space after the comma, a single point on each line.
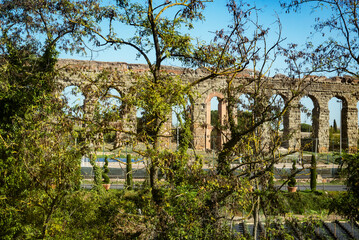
[321, 187]
[300, 187]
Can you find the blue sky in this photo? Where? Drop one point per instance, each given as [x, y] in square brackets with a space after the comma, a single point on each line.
[296, 28]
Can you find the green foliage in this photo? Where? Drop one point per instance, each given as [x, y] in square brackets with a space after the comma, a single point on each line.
[25, 79]
[304, 127]
[348, 203]
[39, 164]
[305, 228]
[39, 148]
[300, 202]
[110, 137]
[97, 174]
[214, 118]
[106, 179]
[313, 173]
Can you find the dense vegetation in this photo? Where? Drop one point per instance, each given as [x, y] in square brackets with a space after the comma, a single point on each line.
[43, 139]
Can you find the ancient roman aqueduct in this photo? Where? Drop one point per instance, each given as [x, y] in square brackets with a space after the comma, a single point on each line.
[320, 90]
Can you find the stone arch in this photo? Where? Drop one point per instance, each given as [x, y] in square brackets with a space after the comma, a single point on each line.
[343, 120]
[184, 113]
[291, 120]
[221, 119]
[244, 100]
[221, 107]
[322, 88]
[75, 99]
[351, 113]
[243, 110]
[277, 101]
[177, 110]
[110, 100]
[214, 139]
[310, 141]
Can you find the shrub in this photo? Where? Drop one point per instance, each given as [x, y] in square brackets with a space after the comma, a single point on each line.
[292, 182]
[313, 174]
[106, 179]
[129, 177]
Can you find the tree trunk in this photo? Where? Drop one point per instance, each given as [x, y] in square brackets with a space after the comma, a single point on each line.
[256, 218]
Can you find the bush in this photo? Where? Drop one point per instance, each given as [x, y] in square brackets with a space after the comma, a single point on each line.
[106, 179]
[313, 174]
[110, 137]
[347, 204]
[301, 202]
[292, 181]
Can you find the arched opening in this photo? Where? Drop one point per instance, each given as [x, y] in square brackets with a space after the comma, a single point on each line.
[280, 123]
[141, 123]
[244, 111]
[215, 118]
[111, 101]
[181, 117]
[215, 143]
[215, 135]
[109, 105]
[277, 105]
[176, 116]
[338, 127]
[309, 123]
[108, 109]
[181, 113]
[215, 114]
[74, 100]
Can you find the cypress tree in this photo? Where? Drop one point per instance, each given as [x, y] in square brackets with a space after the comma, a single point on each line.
[292, 181]
[106, 179]
[97, 173]
[335, 128]
[129, 178]
[313, 174]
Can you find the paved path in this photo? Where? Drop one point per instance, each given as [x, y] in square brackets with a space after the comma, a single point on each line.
[320, 187]
[300, 187]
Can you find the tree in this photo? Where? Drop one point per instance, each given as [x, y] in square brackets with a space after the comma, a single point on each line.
[335, 126]
[214, 118]
[304, 127]
[39, 162]
[158, 34]
[247, 129]
[231, 52]
[129, 174]
[292, 181]
[191, 196]
[25, 81]
[313, 174]
[340, 53]
[106, 179]
[347, 204]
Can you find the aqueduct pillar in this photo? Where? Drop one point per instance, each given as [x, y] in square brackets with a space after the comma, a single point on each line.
[351, 129]
[292, 130]
[323, 126]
